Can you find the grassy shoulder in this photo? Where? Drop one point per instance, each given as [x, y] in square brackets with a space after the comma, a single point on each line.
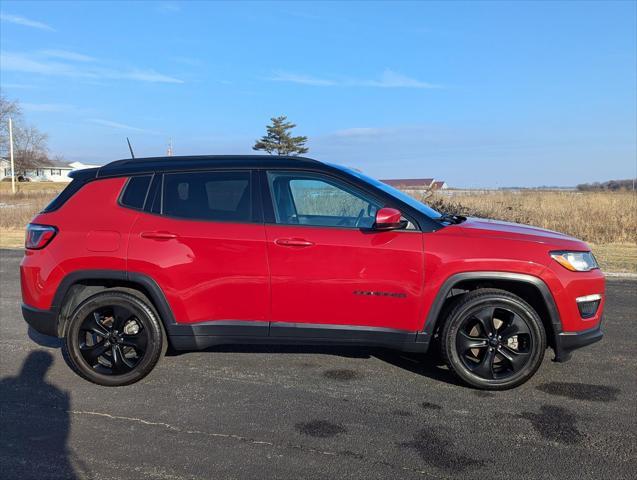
[616, 257]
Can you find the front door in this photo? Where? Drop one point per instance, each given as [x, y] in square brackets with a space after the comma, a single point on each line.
[329, 267]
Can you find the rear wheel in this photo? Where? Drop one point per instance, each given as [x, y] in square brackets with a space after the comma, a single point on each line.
[113, 338]
[493, 340]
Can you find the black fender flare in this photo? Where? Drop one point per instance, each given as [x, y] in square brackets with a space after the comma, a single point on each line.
[453, 280]
[147, 284]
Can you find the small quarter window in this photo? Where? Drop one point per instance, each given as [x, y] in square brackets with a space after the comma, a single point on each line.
[135, 192]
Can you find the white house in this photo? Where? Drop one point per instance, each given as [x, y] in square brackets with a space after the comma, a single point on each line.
[57, 172]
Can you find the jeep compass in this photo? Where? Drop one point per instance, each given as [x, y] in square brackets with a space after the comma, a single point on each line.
[194, 252]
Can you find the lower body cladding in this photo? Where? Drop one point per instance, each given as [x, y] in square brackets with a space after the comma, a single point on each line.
[209, 334]
[566, 342]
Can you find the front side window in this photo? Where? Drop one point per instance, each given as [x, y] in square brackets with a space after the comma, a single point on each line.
[309, 199]
[215, 196]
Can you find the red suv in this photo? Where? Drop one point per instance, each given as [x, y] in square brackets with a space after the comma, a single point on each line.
[202, 251]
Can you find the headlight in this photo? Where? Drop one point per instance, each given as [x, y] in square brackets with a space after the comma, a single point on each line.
[575, 261]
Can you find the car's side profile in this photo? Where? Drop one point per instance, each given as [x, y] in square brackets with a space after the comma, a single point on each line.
[201, 251]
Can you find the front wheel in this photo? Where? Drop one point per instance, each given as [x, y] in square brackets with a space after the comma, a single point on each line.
[493, 340]
[113, 339]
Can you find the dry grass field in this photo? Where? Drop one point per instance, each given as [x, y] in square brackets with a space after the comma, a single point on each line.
[606, 220]
[17, 210]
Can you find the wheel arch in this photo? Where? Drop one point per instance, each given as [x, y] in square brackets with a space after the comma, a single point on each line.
[530, 288]
[79, 285]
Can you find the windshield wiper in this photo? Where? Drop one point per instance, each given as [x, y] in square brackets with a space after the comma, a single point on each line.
[446, 217]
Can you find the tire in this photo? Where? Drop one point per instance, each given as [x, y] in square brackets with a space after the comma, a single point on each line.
[113, 339]
[493, 340]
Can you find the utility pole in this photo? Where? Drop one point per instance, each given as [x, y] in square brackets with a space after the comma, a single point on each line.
[11, 155]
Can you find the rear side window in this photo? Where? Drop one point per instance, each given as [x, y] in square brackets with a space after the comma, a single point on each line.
[135, 192]
[70, 190]
[216, 196]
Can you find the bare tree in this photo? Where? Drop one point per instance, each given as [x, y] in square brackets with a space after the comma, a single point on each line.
[30, 147]
[8, 109]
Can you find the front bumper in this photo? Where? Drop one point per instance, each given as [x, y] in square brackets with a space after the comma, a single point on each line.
[566, 342]
[43, 321]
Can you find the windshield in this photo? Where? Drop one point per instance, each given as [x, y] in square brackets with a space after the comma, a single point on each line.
[394, 192]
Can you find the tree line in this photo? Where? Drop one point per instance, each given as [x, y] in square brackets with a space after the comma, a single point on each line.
[611, 185]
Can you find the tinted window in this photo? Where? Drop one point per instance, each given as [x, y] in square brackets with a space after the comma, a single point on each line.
[64, 195]
[135, 192]
[307, 199]
[223, 196]
[394, 192]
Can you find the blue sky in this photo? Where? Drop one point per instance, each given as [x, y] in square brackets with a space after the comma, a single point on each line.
[478, 94]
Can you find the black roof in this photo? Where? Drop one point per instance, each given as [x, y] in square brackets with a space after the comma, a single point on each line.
[132, 166]
[138, 166]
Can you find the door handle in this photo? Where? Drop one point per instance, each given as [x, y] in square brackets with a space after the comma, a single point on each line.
[158, 235]
[293, 242]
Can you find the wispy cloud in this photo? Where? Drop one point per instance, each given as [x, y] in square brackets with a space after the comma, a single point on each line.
[16, 86]
[189, 61]
[302, 79]
[49, 107]
[67, 55]
[358, 132]
[388, 79]
[42, 65]
[26, 22]
[144, 76]
[391, 79]
[168, 7]
[120, 126]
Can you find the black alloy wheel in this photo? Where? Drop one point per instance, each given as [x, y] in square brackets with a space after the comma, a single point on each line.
[494, 343]
[113, 338]
[492, 339]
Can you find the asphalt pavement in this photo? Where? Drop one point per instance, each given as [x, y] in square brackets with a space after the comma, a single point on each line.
[304, 413]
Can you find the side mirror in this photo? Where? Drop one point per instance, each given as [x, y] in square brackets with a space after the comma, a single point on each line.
[388, 219]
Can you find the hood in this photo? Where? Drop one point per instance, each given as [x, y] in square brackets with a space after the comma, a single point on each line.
[482, 227]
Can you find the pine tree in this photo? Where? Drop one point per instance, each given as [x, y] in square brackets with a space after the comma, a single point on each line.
[279, 140]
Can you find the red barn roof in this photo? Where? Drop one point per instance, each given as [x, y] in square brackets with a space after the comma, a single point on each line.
[410, 182]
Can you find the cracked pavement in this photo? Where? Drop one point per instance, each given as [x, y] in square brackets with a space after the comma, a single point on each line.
[293, 412]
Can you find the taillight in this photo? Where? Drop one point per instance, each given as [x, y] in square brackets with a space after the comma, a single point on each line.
[38, 236]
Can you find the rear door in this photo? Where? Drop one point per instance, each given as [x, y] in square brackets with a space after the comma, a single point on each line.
[328, 266]
[202, 239]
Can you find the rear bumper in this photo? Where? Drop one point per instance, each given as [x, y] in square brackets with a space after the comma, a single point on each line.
[43, 321]
[566, 342]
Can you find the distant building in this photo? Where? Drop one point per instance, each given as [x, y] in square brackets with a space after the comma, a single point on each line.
[421, 183]
[55, 172]
[82, 166]
[417, 183]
